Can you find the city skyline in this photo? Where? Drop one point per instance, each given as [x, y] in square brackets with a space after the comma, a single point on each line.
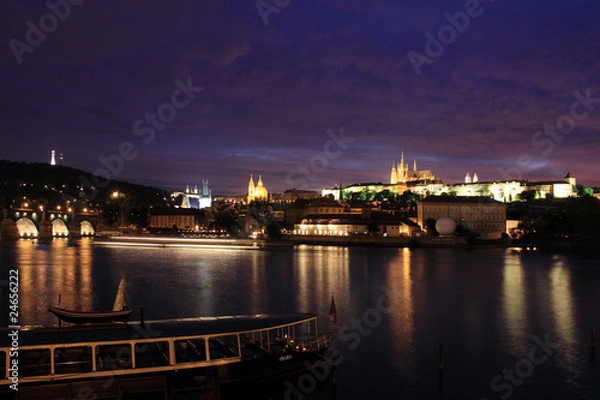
[307, 95]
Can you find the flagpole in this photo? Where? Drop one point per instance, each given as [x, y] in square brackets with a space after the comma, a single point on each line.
[332, 313]
[333, 317]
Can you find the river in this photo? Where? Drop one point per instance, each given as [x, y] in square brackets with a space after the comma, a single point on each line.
[512, 324]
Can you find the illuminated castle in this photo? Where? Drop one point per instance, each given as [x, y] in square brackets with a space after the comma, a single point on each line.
[258, 192]
[401, 174]
[193, 198]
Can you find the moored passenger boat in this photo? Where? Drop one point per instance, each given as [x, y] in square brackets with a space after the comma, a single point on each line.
[203, 357]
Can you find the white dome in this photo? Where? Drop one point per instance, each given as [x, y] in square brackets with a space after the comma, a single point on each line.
[445, 225]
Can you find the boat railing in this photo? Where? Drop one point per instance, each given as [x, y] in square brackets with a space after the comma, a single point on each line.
[55, 361]
[311, 342]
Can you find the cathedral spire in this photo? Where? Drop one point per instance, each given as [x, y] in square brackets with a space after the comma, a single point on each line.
[251, 185]
[415, 165]
[393, 175]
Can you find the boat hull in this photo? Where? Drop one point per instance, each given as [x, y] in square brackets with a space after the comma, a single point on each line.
[265, 378]
[90, 317]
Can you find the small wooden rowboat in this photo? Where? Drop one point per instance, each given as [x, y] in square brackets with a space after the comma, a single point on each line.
[86, 317]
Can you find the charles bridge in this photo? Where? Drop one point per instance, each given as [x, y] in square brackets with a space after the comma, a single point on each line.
[46, 224]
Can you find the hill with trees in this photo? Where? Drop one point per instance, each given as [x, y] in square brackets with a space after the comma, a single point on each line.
[57, 187]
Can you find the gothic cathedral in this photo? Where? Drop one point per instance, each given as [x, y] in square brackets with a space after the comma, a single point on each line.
[401, 174]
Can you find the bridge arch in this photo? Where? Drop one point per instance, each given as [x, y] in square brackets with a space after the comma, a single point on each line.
[59, 228]
[86, 228]
[27, 228]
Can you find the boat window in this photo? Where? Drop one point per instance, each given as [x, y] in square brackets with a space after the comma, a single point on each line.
[251, 346]
[151, 354]
[34, 362]
[223, 347]
[72, 359]
[190, 350]
[280, 340]
[2, 364]
[113, 357]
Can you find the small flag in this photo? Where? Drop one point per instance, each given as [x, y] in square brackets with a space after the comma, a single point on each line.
[333, 311]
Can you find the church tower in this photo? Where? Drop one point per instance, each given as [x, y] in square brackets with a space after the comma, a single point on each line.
[250, 189]
[402, 170]
[205, 196]
[394, 174]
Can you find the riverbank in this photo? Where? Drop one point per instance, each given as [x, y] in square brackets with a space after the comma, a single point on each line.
[378, 241]
[165, 241]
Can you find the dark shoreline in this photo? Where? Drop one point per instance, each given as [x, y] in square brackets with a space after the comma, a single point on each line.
[585, 246]
[554, 246]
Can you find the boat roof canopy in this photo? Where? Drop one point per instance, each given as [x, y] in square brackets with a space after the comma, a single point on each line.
[198, 326]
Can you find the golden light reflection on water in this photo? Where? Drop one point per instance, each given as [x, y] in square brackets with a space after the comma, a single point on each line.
[259, 277]
[402, 328]
[561, 302]
[70, 277]
[215, 272]
[514, 302]
[320, 271]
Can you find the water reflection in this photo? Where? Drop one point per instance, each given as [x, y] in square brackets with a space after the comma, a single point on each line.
[215, 281]
[514, 305]
[49, 271]
[258, 271]
[318, 272]
[399, 281]
[561, 302]
[484, 306]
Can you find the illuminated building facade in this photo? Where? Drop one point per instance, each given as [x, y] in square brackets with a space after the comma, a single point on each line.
[480, 214]
[194, 198]
[503, 191]
[258, 191]
[182, 219]
[347, 224]
[509, 191]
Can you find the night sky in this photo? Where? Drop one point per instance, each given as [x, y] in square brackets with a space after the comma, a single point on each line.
[308, 94]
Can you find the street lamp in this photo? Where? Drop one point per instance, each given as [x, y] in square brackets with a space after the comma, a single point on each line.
[120, 197]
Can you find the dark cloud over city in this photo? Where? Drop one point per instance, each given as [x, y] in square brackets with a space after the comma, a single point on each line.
[305, 93]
